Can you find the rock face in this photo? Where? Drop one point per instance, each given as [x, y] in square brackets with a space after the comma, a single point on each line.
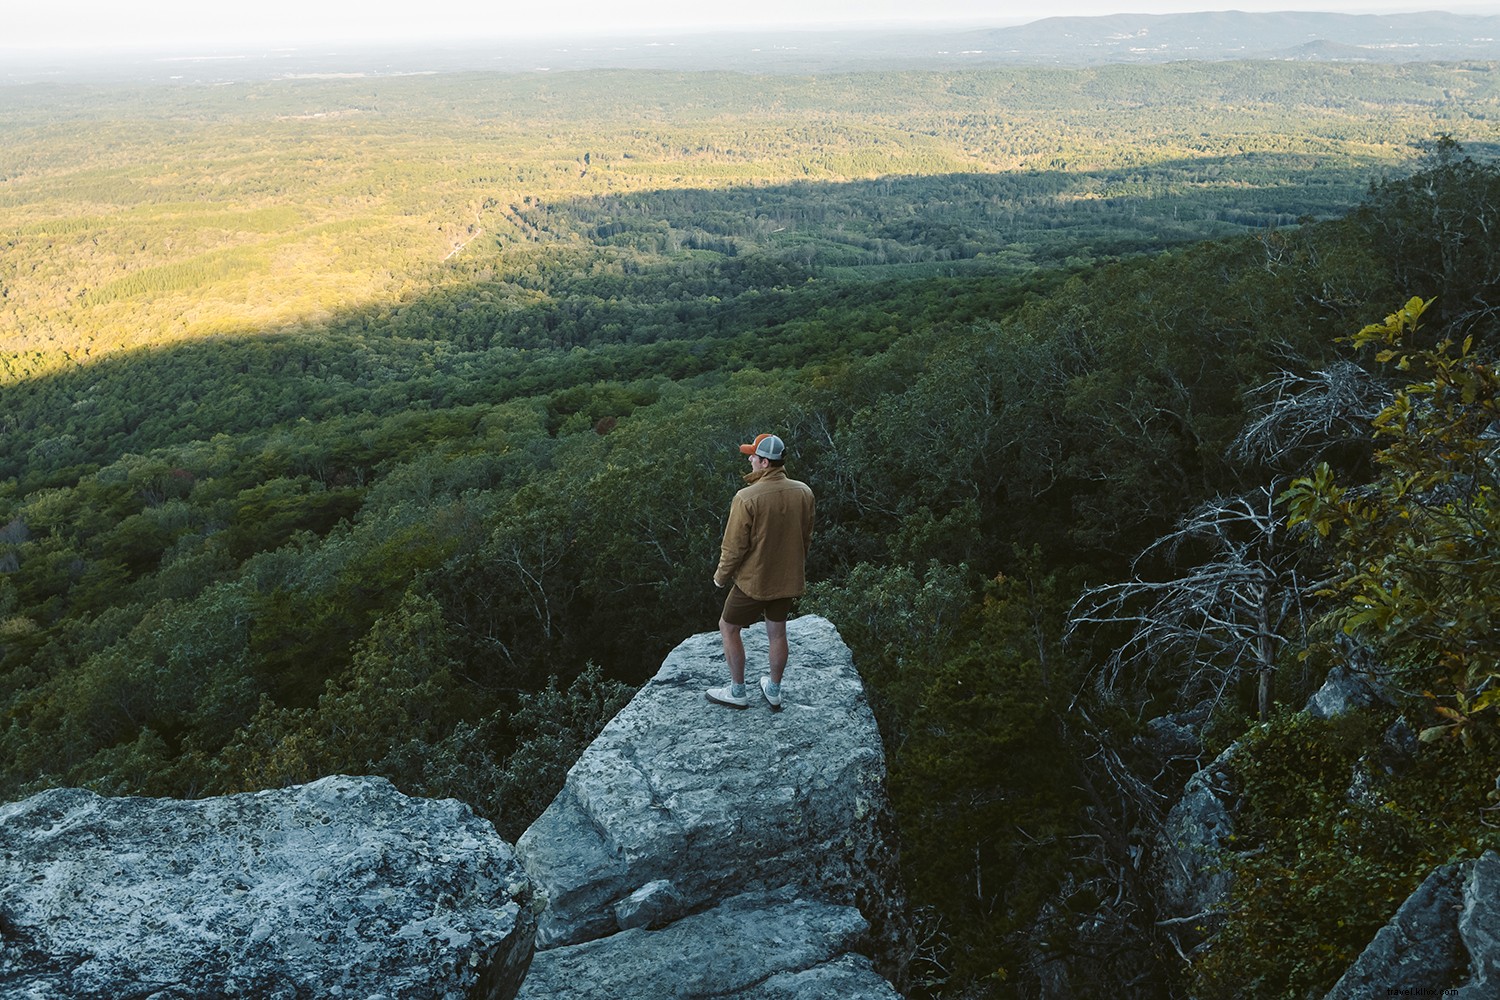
[1343, 691]
[1419, 950]
[1177, 737]
[765, 946]
[1191, 877]
[1195, 840]
[342, 887]
[1479, 927]
[1445, 939]
[698, 850]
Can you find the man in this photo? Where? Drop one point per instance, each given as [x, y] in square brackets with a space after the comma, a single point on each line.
[764, 557]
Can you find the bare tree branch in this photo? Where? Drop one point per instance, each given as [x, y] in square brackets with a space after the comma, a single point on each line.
[1214, 622]
[1301, 416]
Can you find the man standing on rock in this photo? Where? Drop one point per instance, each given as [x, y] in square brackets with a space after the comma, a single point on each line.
[764, 557]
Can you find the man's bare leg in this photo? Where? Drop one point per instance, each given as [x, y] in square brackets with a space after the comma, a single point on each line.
[734, 650]
[734, 654]
[776, 636]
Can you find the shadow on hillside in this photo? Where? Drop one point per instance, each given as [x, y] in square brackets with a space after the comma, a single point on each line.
[649, 282]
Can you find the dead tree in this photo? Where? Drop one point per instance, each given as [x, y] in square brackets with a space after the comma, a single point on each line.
[1214, 618]
[1298, 418]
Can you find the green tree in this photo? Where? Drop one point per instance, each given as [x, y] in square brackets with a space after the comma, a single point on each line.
[399, 689]
[1414, 554]
[1437, 228]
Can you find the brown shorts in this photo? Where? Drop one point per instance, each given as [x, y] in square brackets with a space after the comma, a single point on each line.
[743, 610]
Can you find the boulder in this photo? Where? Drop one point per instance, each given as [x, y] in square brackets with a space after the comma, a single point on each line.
[1398, 749]
[757, 945]
[693, 829]
[1479, 928]
[1444, 940]
[1419, 949]
[1191, 876]
[339, 888]
[1177, 737]
[1343, 691]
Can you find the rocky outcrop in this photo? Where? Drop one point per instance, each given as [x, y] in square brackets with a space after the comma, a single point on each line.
[758, 946]
[1178, 737]
[1444, 940]
[1479, 928]
[342, 887]
[698, 850]
[695, 851]
[1344, 690]
[1192, 848]
[1191, 874]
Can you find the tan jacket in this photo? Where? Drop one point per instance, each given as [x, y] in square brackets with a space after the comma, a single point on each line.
[767, 537]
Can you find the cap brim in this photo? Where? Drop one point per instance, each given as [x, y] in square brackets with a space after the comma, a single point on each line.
[747, 449]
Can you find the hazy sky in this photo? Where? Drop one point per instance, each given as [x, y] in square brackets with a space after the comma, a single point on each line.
[51, 24]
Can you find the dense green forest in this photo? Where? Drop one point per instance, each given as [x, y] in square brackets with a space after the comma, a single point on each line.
[387, 426]
[141, 216]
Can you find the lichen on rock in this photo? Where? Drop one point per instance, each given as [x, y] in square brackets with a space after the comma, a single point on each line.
[340, 887]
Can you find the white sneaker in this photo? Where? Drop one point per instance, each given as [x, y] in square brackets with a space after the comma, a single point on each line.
[725, 696]
[774, 700]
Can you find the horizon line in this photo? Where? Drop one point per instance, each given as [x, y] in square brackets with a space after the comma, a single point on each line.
[188, 48]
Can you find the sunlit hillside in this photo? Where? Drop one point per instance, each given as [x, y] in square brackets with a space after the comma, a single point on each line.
[152, 214]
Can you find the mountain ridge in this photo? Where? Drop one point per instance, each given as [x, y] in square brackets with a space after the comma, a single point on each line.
[1233, 34]
[1436, 36]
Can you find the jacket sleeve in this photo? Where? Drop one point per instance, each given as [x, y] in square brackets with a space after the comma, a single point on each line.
[736, 542]
[807, 527]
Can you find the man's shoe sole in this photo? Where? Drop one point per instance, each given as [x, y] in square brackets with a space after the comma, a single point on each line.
[726, 704]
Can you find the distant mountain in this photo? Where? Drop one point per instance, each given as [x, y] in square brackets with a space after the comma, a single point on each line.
[1064, 41]
[1232, 34]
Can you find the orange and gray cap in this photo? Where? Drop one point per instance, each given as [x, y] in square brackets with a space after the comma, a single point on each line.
[766, 446]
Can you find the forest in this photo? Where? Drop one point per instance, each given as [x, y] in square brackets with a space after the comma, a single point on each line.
[388, 426]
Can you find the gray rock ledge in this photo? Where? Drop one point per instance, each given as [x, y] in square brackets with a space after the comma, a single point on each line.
[339, 888]
[1444, 940]
[688, 832]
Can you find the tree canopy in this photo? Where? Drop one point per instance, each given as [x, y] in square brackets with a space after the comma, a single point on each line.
[435, 511]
